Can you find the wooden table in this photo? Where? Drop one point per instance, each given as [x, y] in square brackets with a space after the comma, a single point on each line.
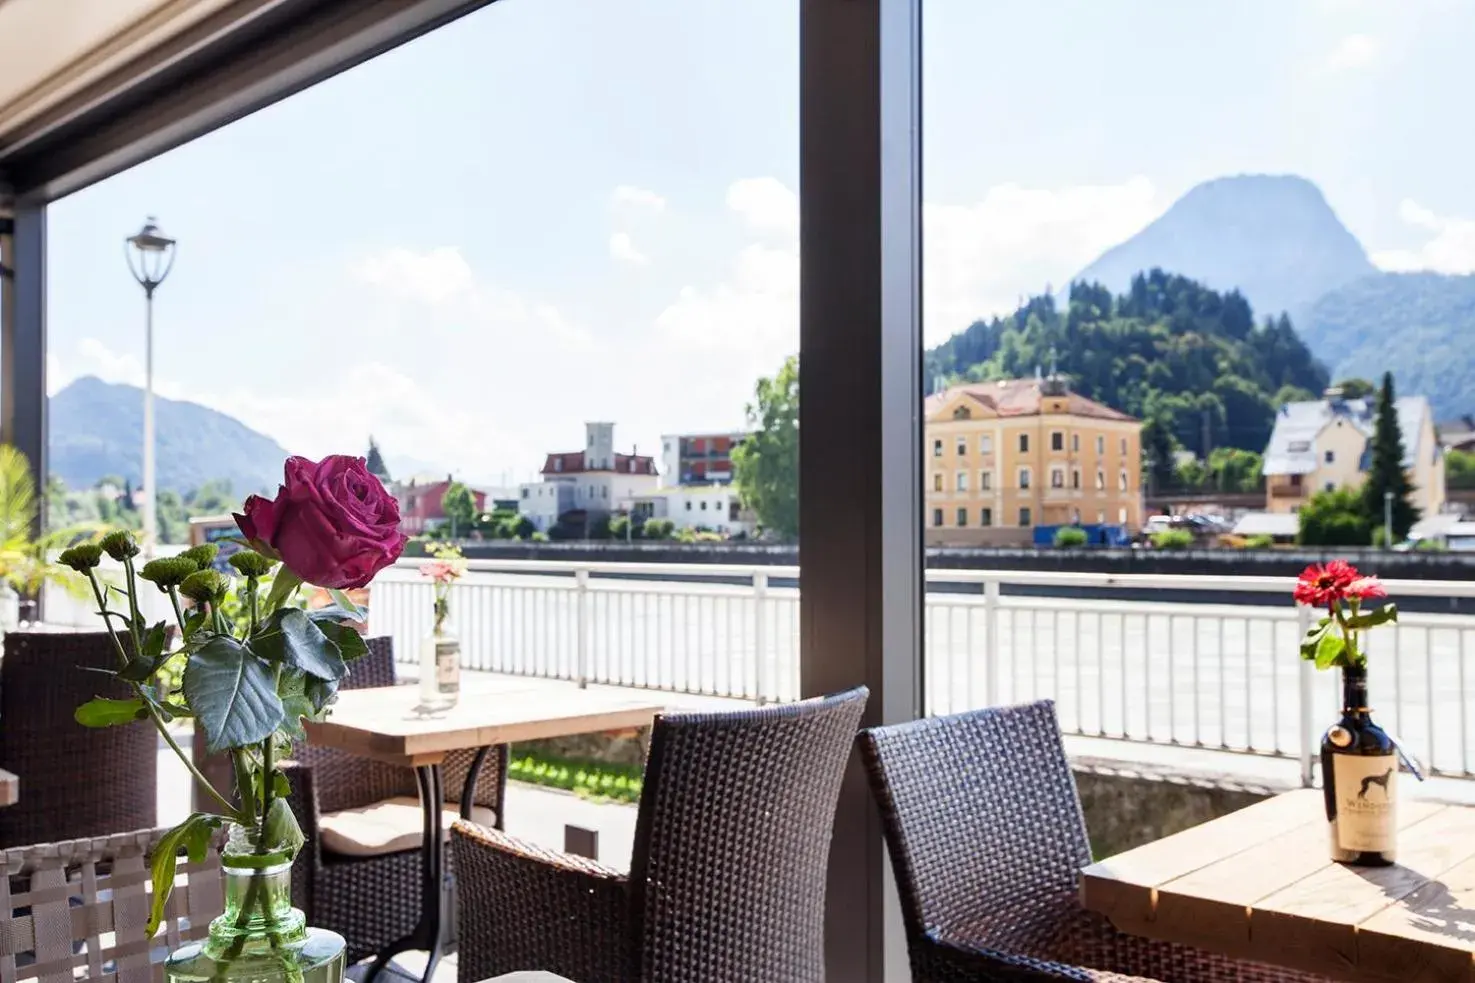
[9, 788]
[384, 724]
[1257, 884]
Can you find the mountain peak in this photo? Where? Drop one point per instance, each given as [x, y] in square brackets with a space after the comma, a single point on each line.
[1273, 237]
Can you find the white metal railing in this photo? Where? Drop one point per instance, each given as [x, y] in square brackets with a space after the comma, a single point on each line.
[1119, 663]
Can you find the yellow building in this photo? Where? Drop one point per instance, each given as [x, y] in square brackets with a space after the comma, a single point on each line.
[1006, 456]
[1326, 444]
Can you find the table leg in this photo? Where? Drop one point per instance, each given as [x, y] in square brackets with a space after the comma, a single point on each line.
[426, 934]
[468, 791]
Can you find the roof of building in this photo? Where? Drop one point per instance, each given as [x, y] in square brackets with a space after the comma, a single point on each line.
[1268, 524]
[572, 462]
[1019, 397]
[1292, 448]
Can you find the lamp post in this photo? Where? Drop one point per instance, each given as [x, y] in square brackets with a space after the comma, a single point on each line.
[150, 256]
[1387, 519]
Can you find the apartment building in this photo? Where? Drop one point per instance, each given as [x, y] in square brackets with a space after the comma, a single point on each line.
[1006, 456]
[1325, 444]
[698, 458]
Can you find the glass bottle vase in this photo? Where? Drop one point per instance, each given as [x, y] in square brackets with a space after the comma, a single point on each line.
[1359, 768]
[440, 667]
[260, 937]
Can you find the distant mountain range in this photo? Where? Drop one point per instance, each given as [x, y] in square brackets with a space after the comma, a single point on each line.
[97, 431]
[1278, 241]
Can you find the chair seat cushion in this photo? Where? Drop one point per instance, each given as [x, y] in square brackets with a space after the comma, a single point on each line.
[391, 826]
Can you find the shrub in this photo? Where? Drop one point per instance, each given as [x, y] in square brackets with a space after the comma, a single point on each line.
[538, 536]
[657, 529]
[1172, 539]
[1261, 542]
[1334, 518]
[619, 527]
[1380, 537]
[1430, 546]
[1070, 537]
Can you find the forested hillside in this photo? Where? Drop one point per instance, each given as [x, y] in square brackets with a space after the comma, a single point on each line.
[1169, 351]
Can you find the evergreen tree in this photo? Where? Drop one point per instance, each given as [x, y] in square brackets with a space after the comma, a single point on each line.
[375, 462]
[1386, 474]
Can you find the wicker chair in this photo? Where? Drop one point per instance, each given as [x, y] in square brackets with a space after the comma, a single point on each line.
[77, 910]
[727, 881]
[987, 840]
[371, 901]
[75, 781]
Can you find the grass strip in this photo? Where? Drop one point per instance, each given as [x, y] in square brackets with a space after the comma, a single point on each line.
[594, 780]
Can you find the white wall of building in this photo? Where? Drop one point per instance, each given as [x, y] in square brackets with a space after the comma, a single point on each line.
[702, 508]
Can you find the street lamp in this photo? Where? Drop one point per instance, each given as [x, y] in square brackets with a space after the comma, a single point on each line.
[150, 256]
[1387, 519]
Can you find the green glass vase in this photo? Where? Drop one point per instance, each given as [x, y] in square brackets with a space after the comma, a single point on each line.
[260, 937]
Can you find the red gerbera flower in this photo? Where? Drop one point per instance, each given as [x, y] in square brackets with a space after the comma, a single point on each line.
[1366, 588]
[1321, 586]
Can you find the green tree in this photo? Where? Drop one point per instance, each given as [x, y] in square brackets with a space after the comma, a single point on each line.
[767, 463]
[459, 506]
[619, 527]
[1386, 474]
[657, 529]
[374, 461]
[1459, 469]
[1355, 388]
[1157, 453]
[1334, 518]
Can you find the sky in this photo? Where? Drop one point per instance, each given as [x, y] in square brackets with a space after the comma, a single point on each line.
[554, 211]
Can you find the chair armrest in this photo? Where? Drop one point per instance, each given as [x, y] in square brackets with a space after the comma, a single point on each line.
[947, 958]
[520, 905]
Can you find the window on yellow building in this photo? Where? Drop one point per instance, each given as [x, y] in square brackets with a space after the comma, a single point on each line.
[1075, 477]
[962, 479]
[1057, 478]
[985, 517]
[962, 446]
[1124, 446]
[962, 518]
[937, 481]
[1057, 440]
[986, 444]
[1024, 517]
[1101, 516]
[937, 517]
[1024, 443]
[1101, 481]
[985, 480]
[1121, 515]
[1024, 477]
[1100, 445]
[1122, 481]
[1075, 443]
[937, 448]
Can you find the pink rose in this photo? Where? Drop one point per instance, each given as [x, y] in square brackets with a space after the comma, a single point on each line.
[332, 524]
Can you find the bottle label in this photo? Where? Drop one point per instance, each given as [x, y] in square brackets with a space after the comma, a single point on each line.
[447, 663]
[1367, 802]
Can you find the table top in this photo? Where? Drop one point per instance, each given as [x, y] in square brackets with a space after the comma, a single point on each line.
[384, 723]
[9, 788]
[1258, 884]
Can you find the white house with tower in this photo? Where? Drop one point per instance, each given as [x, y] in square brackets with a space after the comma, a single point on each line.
[585, 485]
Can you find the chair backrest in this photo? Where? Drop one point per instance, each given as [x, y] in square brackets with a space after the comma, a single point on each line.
[733, 839]
[77, 910]
[75, 781]
[979, 810]
[347, 781]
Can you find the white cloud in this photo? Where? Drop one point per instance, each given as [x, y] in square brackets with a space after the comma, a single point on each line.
[1450, 247]
[627, 194]
[436, 276]
[623, 249]
[1352, 52]
[981, 258]
[766, 205]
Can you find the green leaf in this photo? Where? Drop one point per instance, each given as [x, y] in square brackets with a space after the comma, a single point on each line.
[341, 599]
[194, 835]
[233, 694]
[280, 831]
[1378, 616]
[283, 586]
[153, 641]
[140, 669]
[351, 644]
[291, 638]
[296, 704]
[103, 712]
[1313, 637]
[194, 622]
[1329, 650]
[321, 692]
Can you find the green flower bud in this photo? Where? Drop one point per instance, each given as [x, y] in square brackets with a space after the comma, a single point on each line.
[201, 556]
[250, 563]
[120, 545]
[204, 586]
[82, 557]
[167, 571]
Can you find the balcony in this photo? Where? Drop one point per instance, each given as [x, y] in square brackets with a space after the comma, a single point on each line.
[1287, 491]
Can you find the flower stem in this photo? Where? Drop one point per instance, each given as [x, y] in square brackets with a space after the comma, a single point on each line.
[178, 609]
